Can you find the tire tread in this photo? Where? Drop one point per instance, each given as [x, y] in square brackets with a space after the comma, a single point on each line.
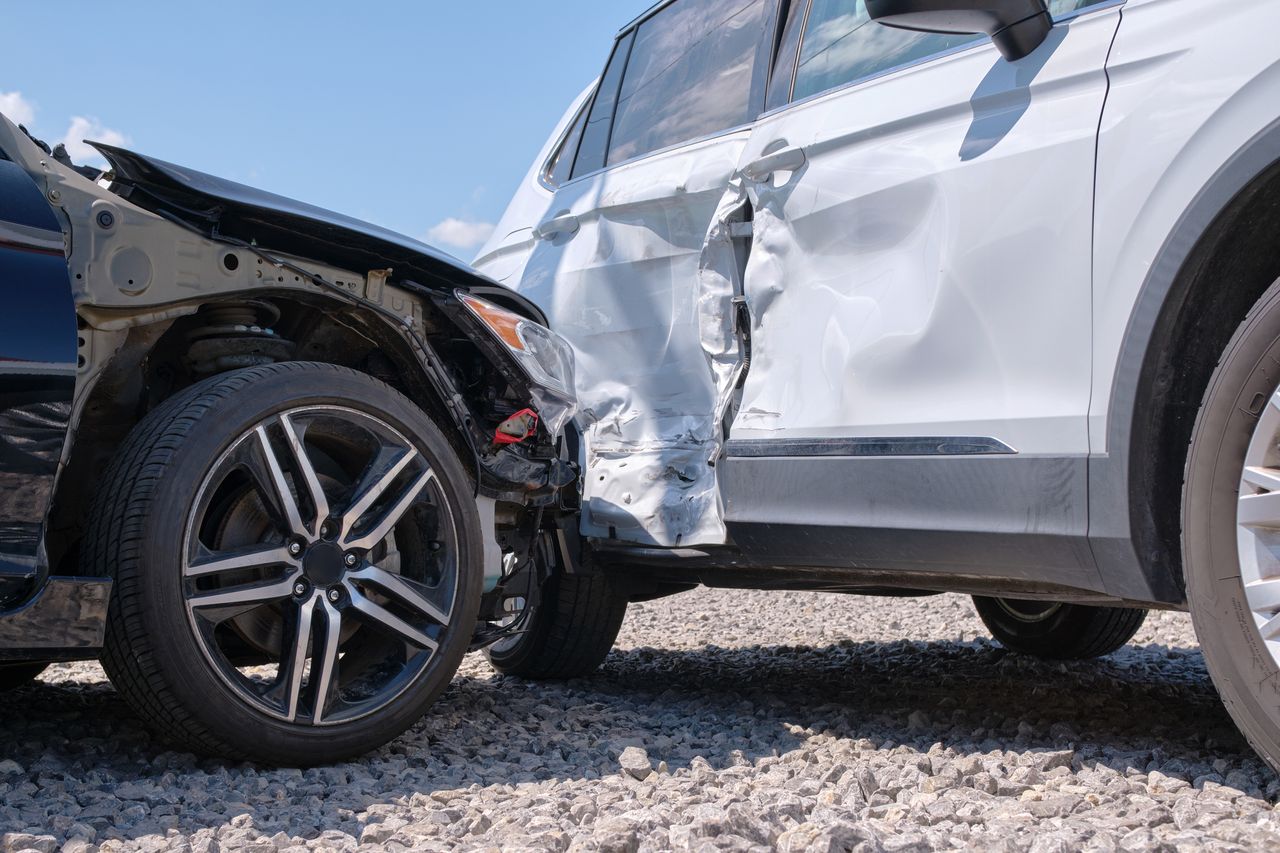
[114, 539]
[585, 615]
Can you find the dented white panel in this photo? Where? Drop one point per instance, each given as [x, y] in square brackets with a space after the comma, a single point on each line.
[906, 280]
[900, 277]
[624, 289]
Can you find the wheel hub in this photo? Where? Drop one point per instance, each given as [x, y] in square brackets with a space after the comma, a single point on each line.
[338, 495]
[323, 564]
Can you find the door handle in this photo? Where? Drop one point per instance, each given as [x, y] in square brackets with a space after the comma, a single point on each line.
[566, 223]
[787, 159]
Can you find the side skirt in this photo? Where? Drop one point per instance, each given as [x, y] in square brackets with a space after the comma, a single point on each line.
[961, 522]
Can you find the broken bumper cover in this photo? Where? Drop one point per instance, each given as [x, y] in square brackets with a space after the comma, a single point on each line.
[65, 620]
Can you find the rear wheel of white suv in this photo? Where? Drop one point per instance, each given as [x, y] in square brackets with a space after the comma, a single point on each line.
[1057, 630]
[1231, 526]
[296, 553]
[566, 628]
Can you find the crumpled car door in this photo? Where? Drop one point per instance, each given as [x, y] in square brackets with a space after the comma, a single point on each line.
[620, 262]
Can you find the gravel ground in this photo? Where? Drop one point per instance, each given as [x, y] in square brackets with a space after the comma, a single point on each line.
[731, 720]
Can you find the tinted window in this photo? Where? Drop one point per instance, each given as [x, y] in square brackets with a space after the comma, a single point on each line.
[842, 44]
[784, 70]
[561, 163]
[595, 136]
[1058, 8]
[693, 72]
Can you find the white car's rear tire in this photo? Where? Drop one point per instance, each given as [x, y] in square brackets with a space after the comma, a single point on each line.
[1228, 527]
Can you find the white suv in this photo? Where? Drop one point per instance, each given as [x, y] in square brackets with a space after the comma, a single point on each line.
[990, 308]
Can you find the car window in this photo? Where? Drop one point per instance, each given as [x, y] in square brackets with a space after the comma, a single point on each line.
[560, 166]
[1061, 8]
[595, 135]
[693, 72]
[842, 44]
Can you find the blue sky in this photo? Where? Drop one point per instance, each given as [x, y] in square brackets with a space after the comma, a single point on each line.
[407, 114]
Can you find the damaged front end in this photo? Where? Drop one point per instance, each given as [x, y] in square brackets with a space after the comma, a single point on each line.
[178, 275]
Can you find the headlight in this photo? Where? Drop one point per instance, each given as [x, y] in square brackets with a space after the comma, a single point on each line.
[546, 357]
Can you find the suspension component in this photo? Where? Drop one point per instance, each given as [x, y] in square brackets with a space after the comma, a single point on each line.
[235, 335]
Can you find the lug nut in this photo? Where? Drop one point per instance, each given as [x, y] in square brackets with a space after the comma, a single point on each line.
[299, 588]
[351, 559]
[295, 548]
[334, 595]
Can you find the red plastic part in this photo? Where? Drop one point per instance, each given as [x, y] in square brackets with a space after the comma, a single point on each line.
[515, 429]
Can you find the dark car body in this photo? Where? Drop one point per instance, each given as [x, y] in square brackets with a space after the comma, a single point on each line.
[103, 284]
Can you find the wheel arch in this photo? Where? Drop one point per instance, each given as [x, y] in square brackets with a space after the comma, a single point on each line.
[142, 373]
[1219, 259]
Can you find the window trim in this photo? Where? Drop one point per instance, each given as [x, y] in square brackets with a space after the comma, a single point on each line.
[630, 39]
[544, 174]
[933, 57]
[746, 126]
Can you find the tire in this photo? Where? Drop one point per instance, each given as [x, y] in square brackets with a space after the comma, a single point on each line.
[570, 631]
[1238, 405]
[191, 523]
[15, 675]
[1058, 631]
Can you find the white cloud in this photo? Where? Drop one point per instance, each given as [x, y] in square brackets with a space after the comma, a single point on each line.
[89, 128]
[459, 233]
[17, 108]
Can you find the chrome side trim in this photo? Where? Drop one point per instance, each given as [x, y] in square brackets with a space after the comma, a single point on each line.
[890, 446]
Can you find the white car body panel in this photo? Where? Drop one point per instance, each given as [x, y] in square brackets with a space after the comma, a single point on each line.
[623, 290]
[1191, 84]
[903, 282]
[893, 277]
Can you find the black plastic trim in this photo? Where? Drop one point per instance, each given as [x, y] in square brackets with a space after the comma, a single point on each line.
[887, 446]
[67, 619]
[1016, 518]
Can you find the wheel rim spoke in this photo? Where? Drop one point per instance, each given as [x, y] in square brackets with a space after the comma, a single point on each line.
[232, 601]
[1264, 596]
[1271, 629]
[1260, 510]
[309, 478]
[325, 668]
[1263, 478]
[402, 590]
[1258, 526]
[258, 558]
[392, 515]
[297, 662]
[287, 503]
[376, 614]
[375, 490]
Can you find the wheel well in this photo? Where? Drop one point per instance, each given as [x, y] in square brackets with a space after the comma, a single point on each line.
[1233, 263]
[155, 362]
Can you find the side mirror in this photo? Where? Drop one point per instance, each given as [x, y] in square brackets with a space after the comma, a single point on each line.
[1016, 26]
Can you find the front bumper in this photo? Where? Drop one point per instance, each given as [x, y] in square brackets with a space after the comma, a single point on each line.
[66, 620]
